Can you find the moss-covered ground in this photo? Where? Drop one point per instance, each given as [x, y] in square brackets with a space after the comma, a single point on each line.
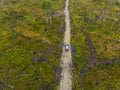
[24, 38]
[101, 21]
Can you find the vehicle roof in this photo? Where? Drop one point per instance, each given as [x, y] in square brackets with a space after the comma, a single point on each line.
[67, 46]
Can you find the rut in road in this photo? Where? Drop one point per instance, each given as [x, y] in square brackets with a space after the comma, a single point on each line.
[66, 59]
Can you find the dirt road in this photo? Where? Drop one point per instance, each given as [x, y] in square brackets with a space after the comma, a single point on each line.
[66, 60]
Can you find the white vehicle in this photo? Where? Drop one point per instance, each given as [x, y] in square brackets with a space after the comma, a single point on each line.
[67, 47]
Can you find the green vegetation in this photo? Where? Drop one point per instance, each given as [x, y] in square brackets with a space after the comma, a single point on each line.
[103, 77]
[30, 48]
[100, 19]
[31, 33]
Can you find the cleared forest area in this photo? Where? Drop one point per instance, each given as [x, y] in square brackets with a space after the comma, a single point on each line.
[31, 33]
[96, 44]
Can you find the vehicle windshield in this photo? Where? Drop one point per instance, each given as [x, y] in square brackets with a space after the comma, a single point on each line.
[67, 46]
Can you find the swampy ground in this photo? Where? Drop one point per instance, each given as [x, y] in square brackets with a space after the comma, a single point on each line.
[95, 37]
[31, 43]
[31, 33]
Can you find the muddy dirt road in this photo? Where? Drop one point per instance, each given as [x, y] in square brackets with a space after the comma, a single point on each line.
[66, 58]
